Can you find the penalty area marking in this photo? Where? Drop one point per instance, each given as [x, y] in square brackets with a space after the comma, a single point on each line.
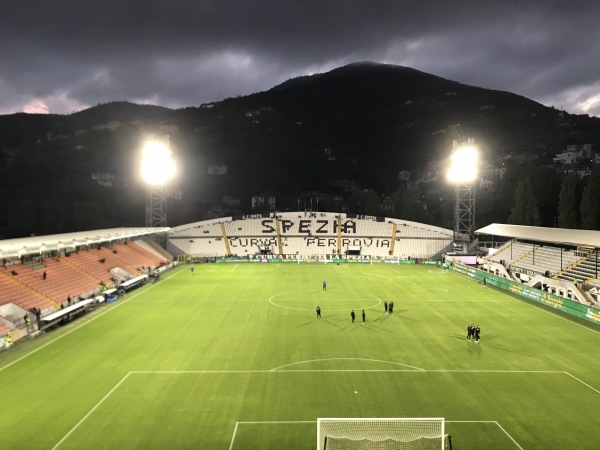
[412, 368]
[295, 422]
[270, 422]
[203, 372]
[273, 302]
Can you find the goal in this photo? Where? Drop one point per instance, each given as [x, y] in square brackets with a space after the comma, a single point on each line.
[381, 434]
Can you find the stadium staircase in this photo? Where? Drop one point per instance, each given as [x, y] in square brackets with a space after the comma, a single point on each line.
[155, 249]
[225, 240]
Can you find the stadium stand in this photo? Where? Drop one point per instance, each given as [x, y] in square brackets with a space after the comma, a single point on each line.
[63, 279]
[13, 290]
[560, 261]
[42, 272]
[584, 270]
[298, 234]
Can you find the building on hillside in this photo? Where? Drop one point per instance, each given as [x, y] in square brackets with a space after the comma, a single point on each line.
[261, 201]
[574, 154]
[581, 172]
[486, 184]
[493, 173]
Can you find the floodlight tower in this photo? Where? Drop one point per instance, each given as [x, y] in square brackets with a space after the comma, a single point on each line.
[462, 173]
[157, 170]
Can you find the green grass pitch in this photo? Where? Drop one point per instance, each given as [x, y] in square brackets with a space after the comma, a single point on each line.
[233, 357]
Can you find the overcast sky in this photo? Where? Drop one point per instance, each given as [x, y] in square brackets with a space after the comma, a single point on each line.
[62, 56]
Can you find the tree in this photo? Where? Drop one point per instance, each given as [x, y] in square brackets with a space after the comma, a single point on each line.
[590, 207]
[567, 212]
[525, 210]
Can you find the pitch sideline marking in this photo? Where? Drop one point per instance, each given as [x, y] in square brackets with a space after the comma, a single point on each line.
[337, 359]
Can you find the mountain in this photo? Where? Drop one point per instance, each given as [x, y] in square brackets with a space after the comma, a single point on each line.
[355, 126]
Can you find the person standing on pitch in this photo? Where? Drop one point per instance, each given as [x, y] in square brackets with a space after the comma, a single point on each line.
[470, 330]
[364, 316]
[318, 312]
[476, 332]
[353, 316]
[385, 305]
[324, 285]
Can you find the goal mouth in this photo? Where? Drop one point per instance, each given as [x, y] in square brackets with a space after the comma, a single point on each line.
[415, 433]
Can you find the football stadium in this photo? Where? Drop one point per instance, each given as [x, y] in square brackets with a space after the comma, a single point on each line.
[300, 330]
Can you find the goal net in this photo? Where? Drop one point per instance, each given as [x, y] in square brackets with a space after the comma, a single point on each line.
[381, 434]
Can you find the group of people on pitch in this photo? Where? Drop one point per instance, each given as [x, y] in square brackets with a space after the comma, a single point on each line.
[473, 332]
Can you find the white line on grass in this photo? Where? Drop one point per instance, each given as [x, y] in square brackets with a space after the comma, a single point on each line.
[276, 422]
[583, 382]
[170, 372]
[272, 301]
[275, 370]
[183, 372]
[96, 406]
[493, 371]
[339, 359]
[26, 355]
[487, 421]
[233, 437]
[266, 422]
[509, 436]
[234, 267]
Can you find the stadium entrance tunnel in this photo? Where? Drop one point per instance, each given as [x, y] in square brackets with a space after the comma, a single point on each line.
[333, 300]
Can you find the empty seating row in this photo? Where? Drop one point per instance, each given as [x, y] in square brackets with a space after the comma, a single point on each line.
[70, 276]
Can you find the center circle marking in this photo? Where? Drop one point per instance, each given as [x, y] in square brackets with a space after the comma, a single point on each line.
[273, 300]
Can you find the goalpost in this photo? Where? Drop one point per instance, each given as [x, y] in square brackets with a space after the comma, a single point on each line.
[381, 434]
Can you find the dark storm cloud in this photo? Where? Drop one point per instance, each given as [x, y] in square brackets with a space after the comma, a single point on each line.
[67, 55]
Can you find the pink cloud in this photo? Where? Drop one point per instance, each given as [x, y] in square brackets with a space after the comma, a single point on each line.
[36, 106]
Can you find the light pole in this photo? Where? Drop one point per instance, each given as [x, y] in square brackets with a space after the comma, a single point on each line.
[462, 173]
[157, 169]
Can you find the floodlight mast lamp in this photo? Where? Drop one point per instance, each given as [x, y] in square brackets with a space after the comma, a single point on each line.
[463, 173]
[157, 169]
